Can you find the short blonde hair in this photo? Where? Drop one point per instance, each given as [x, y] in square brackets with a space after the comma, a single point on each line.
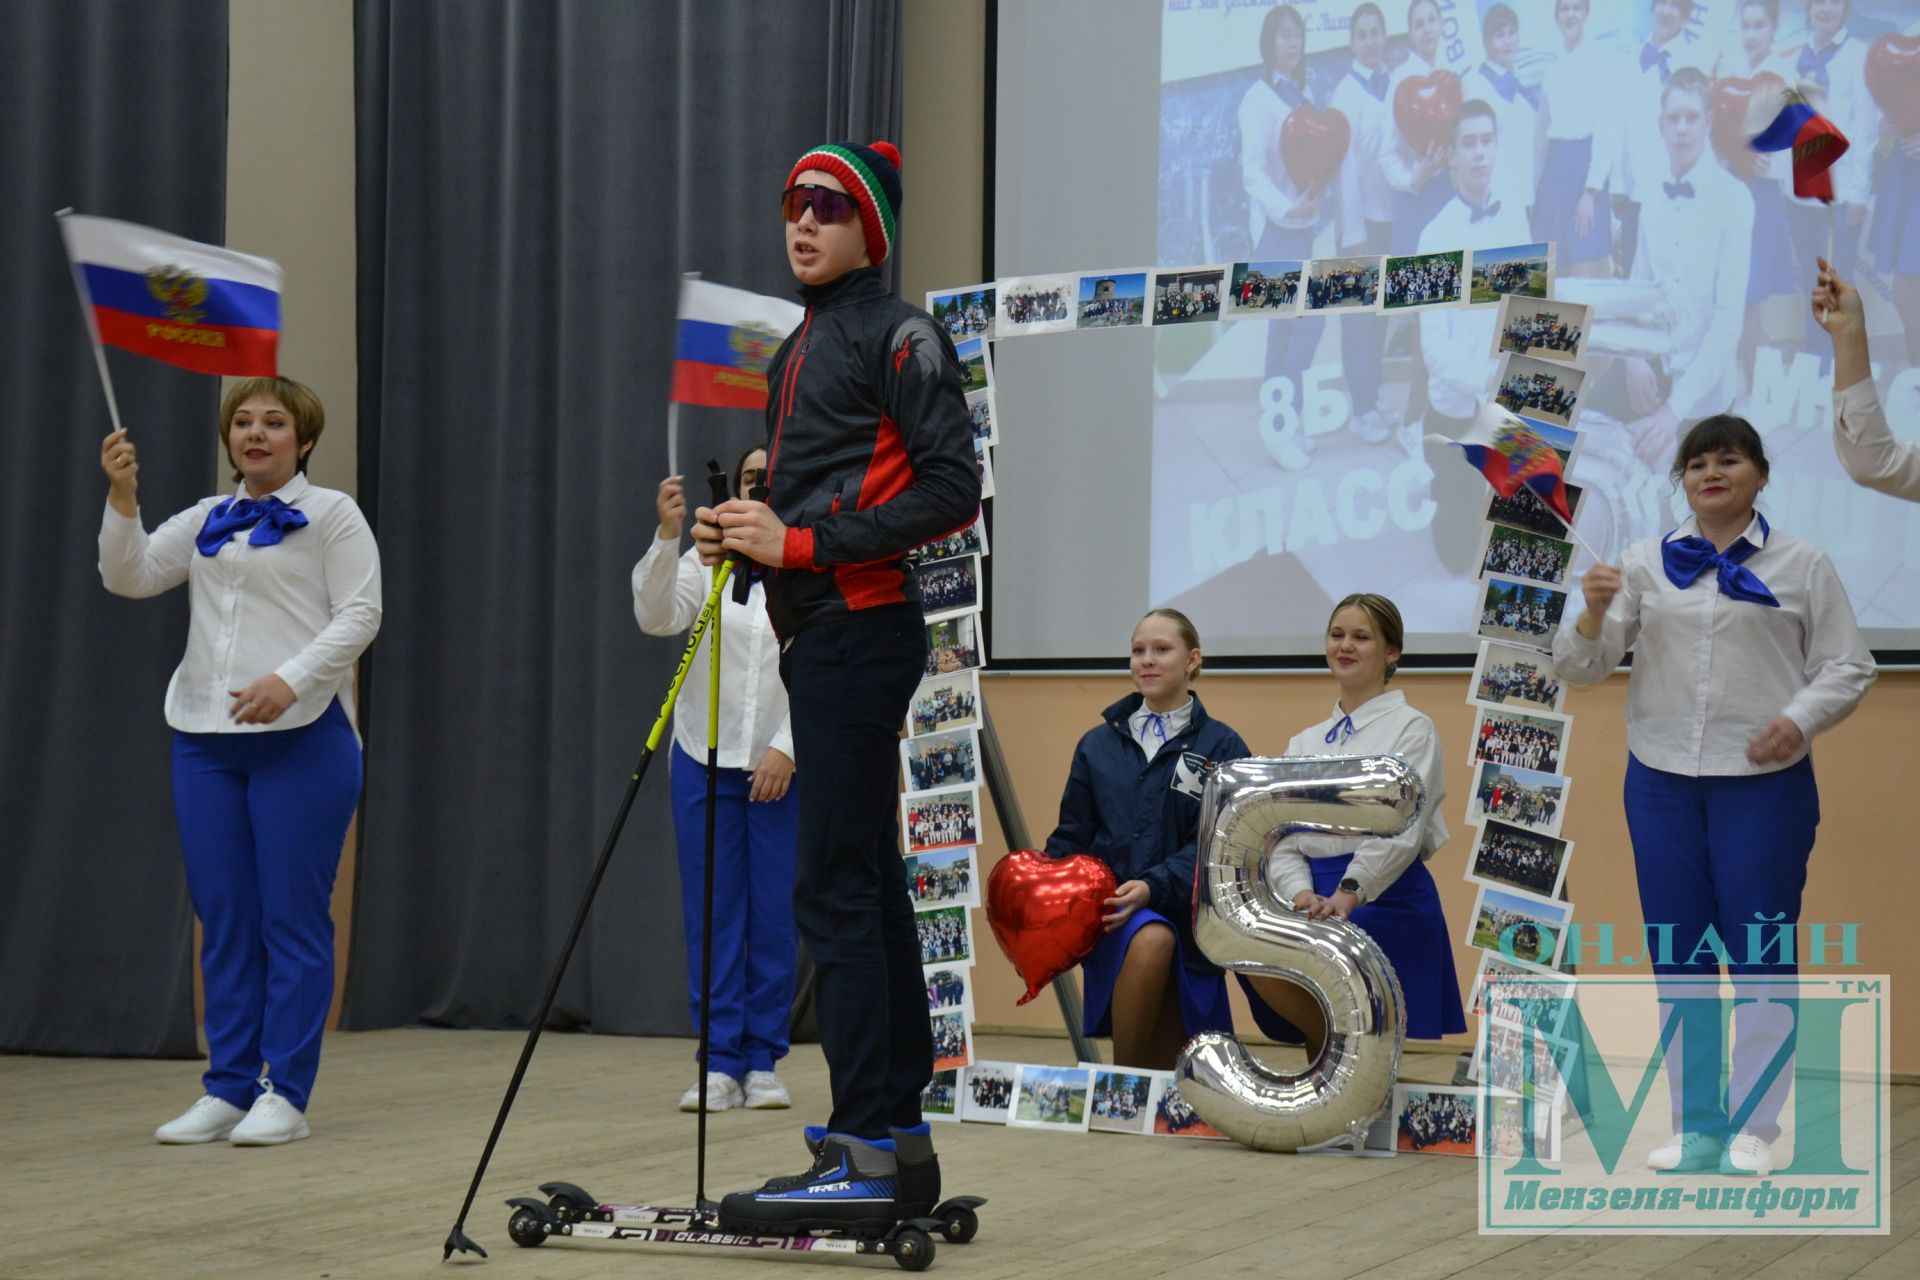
[297, 398]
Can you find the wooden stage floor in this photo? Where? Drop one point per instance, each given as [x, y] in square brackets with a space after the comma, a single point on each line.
[401, 1116]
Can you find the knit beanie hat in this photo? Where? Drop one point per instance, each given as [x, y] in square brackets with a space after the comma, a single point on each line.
[871, 175]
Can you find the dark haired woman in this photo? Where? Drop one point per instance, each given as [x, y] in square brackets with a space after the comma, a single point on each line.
[756, 814]
[283, 581]
[1382, 885]
[1745, 647]
[1147, 984]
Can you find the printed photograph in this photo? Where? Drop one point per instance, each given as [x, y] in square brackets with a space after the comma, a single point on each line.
[1187, 296]
[955, 645]
[949, 991]
[975, 373]
[1540, 389]
[1051, 1097]
[1173, 1118]
[1034, 304]
[986, 1092]
[946, 936]
[1122, 1100]
[1499, 982]
[940, 1100]
[1524, 510]
[1510, 675]
[1515, 737]
[1112, 300]
[949, 588]
[1522, 614]
[1532, 928]
[983, 457]
[1525, 269]
[966, 312]
[980, 415]
[949, 878]
[1436, 1120]
[1266, 289]
[1426, 280]
[1519, 797]
[1515, 858]
[1515, 553]
[1506, 1136]
[945, 702]
[1547, 328]
[952, 1045]
[1501, 1061]
[970, 541]
[949, 759]
[1343, 284]
[941, 820]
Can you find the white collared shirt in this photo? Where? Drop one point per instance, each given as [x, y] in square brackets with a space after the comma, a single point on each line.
[668, 591]
[1514, 178]
[303, 609]
[1710, 672]
[1866, 445]
[1579, 95]
[1382, 726]
[1397, 158]
[1365, 195]
[1643, 152]
[1455, 341]
[1172, 724]
[1271, 193]
[1698, 250]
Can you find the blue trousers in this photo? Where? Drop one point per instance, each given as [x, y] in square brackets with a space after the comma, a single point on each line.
[262, 818]
[753, 937]
[1717, 851]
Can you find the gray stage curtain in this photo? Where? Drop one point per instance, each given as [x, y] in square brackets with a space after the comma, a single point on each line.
[532, 179]
[114, 107]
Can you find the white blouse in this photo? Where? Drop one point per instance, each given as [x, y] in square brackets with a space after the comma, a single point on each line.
[1383, 726]
[1152, 737]
[1866, 445]
[1364, 194]
[1710, 672]
[303, 609]
[668, 591]
[1271, 193]
[1580, 96]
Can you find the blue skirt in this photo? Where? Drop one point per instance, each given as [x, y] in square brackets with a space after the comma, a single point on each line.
[1412, 211]
[1771, 269]
[1203, 998]
[1410, 926]
[1894, 237]
[1563, 180]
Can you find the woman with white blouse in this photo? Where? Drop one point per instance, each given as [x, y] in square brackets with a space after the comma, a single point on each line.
[284, 584]
[756, 813]
[1572, 208]
[1382, 883]
[1745, 648]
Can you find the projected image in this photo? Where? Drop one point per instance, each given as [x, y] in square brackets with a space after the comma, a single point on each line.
[1664, 270]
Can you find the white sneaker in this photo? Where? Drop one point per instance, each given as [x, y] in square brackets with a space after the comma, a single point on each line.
[765, 1092]
[208, 1120]
[1686, 1153]
[1747, 1154]
[272, 1121]
[1371, 428]
[723, 1094]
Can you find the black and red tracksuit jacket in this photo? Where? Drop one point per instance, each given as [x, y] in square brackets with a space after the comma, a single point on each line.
[869, 451]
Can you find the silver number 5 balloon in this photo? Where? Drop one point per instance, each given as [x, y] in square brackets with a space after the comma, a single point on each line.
[1241, 924]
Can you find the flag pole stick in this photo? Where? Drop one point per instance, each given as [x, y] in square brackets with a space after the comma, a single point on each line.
[673, 437]
[93, 332]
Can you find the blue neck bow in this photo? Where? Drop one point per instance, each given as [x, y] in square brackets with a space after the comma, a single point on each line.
[1156, 722]
[1374, 83]
[1813, 64]
[1507, 84]
[1650, 55]
[1341, 731]
[269, 518]
[1290, 92]
[1685, 559]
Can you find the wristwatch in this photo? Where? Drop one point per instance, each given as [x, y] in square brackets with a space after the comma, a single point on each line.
[1352, 886]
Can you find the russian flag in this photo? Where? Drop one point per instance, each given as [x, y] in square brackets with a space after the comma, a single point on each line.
[727, 340]
[1779, 119]
[1510, 453]
[195, 305]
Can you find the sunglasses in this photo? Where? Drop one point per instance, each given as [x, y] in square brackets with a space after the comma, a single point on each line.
[829, 206]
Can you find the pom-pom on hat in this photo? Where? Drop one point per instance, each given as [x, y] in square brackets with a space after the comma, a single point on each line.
[871, 175]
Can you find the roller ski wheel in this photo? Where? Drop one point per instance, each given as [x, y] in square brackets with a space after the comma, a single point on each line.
[568, 1202]
[912, 1249]
[959, 1221]
[531, 1223]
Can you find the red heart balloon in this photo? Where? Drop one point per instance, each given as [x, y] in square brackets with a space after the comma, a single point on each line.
[1425, 108]
[1045, 912]
[1893, 78]
[1731, 96]
[1313, 142]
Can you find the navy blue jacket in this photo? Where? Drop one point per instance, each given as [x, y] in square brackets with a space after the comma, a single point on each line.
[1121, 807]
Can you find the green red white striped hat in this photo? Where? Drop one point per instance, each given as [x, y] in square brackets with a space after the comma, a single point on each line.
[871, 175]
